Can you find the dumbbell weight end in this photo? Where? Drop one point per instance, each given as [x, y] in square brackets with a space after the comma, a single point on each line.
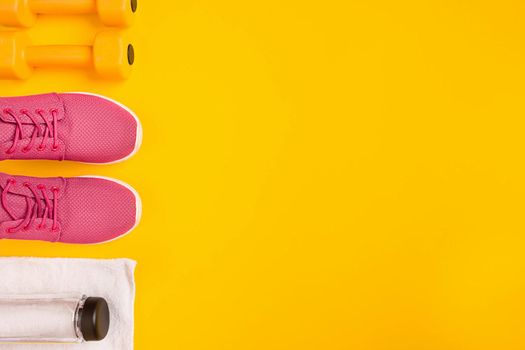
[13, 63]
[16, 13]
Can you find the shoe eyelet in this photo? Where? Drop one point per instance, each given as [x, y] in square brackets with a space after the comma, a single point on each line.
[40, 148]
[7, 111]
[24, 111]
[12, 181]
[27, 184]
[55, 148]
[9, 151]
[55, 189]
[25, 150]
[41, 187]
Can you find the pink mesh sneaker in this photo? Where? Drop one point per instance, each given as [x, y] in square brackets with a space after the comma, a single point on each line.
[72, 126]
[83, 210]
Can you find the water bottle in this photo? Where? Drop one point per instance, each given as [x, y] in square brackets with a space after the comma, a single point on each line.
[53, 318]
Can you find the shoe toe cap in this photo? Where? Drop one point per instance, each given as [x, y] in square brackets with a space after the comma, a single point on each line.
[97, 210]
[99, 130]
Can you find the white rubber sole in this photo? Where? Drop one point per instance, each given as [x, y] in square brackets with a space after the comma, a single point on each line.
[138, 205]
[138, 139]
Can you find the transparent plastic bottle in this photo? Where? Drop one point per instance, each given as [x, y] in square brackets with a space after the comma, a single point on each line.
[53, 318]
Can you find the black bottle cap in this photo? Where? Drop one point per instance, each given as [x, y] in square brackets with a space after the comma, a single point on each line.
[94, 319]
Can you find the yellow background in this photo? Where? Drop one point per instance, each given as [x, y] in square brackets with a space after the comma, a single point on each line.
[317, 174]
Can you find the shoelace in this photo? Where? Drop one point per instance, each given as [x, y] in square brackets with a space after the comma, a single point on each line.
[34, 207]
[48, 131]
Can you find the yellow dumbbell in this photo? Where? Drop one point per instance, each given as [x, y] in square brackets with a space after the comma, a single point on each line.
[23, 13]
[111, 55]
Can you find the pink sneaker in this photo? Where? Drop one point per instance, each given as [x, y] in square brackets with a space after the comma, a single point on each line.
[73, 126]
[83, 210]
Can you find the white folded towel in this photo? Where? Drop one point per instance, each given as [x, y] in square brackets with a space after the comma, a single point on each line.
[111, 279]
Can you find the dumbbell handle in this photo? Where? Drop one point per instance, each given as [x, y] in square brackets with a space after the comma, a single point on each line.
[59, 7]
[60, 56]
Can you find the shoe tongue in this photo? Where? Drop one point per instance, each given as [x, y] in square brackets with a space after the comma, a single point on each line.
[17, 204]
[44, 102]
[17, 196]
[7, 131]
